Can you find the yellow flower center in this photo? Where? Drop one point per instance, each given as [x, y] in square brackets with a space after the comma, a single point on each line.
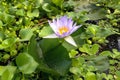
[63, 29]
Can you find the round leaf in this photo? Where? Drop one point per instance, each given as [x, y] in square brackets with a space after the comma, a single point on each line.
[26, 63]
[26, 34]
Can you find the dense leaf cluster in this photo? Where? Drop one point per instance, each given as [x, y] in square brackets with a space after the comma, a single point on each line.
[26, 55]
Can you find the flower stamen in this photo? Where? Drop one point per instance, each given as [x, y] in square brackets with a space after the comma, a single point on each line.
[63, 30]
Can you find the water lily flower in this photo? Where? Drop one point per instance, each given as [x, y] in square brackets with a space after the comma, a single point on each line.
[63, 27]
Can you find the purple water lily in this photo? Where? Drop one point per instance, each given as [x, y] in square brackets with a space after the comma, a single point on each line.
[63, 26]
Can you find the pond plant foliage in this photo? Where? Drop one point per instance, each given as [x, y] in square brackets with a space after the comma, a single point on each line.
[59, 39]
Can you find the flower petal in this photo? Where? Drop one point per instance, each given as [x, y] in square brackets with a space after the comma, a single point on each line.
[51, 36]
[70, 40]
[70, 23]
[64, 20]
[53, 25]
[75, 28]
[60, 25]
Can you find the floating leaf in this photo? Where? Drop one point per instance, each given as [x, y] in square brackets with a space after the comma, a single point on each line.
[7, 43]
[44, 44]
[9, 18]
[118, 75]
[47, 7]
[58, 59]
[58, 2]
[56, 56]
[1, 23]
[7, 72]
[34, 13]
[39, 3]
[45, 31]
[90, 49]
[99, 62]
[2, 36]
[95, 48]
[26, 63]
[26, 34]
[106, 53]
[90, 76]
[35, 51]
[20, 12]
[94, 12]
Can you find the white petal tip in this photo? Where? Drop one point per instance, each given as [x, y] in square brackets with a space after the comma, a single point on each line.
[70, 40]
[51, 36]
